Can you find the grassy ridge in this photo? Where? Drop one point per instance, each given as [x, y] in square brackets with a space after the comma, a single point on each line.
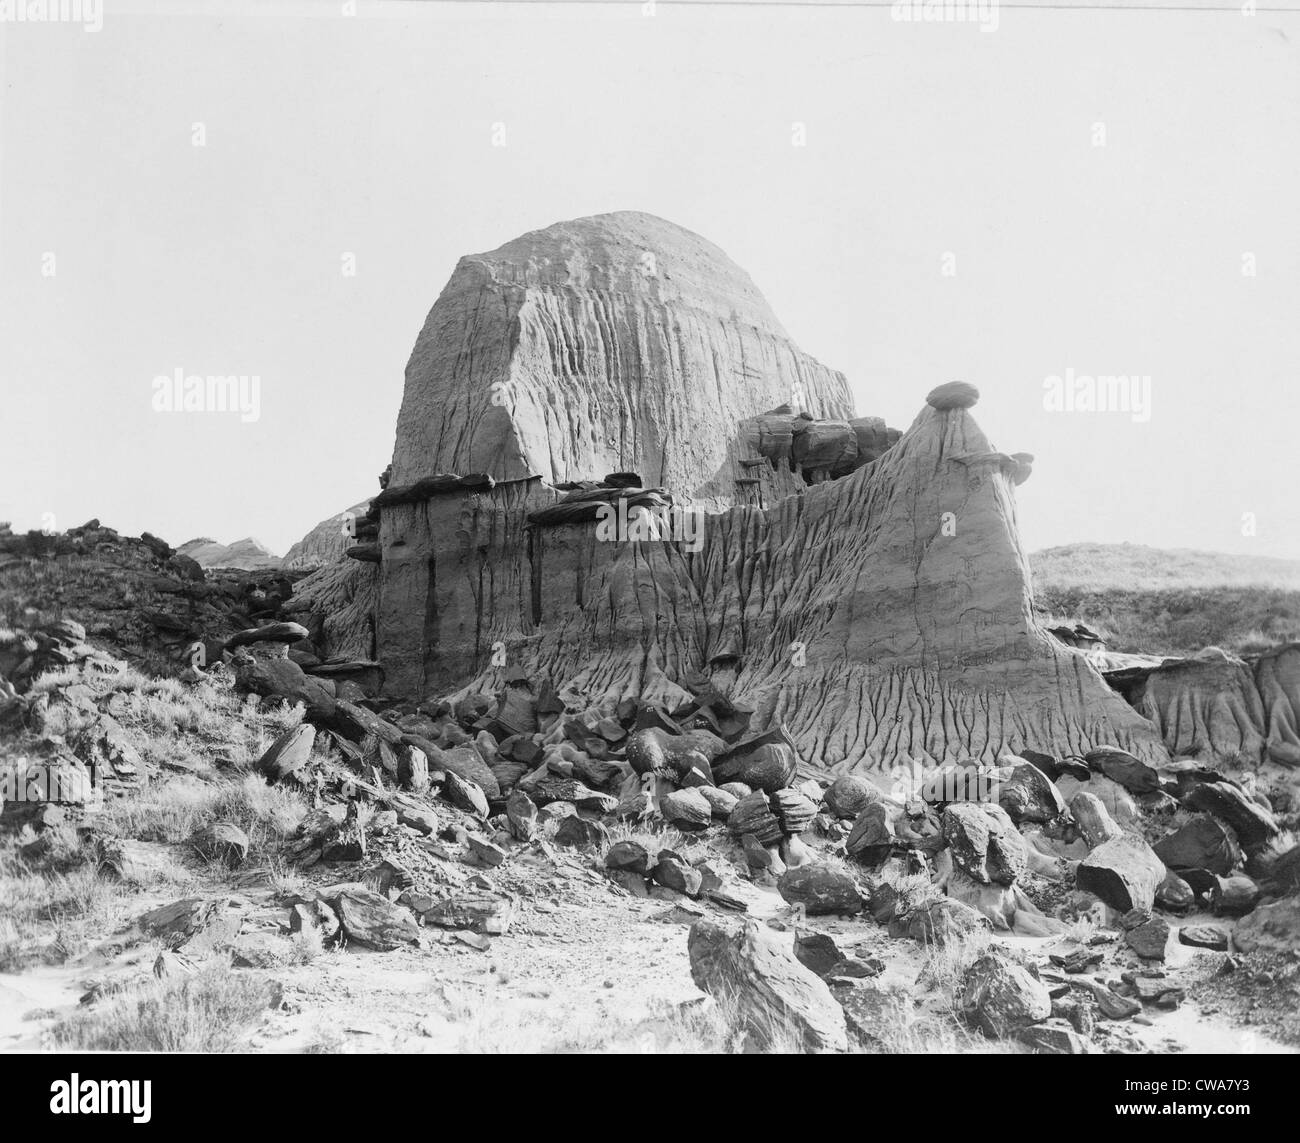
[1170, 602]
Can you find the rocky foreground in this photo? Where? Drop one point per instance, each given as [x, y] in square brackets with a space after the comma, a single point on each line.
[613, 878]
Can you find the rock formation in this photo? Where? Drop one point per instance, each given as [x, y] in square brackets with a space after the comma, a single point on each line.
[247, 554]
[1206, 706]
[614, 468]
[328, 542]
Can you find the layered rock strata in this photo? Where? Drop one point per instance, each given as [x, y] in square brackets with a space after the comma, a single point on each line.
[614, 468]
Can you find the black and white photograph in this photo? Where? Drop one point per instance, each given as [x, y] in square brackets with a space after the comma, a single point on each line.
[650, 527]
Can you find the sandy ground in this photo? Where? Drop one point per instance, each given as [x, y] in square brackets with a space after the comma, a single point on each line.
[580, 959]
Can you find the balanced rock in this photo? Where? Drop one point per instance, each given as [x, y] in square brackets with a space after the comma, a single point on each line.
[952, 395]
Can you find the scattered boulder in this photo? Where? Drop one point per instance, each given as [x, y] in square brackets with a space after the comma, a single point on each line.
[672, 871]
[465, 795]
[1053, 1040]
[1093, 819]
[628, 855]
[1122, 767]
[221, 841]
[479, 912]
[849, 795]
[521, 814]
[1122, 872]
[753, 816]
[1029, 795]
[1234, 896]
[372, 920]
[944, 920]
[770, 990]
[816, 951]
[1001, 996]
[873, 836]
[1203, 843]
[1149, 939]
[1252, 824]
[821, 889]
[1204, 937]
[687, 810]
[577, 832]
[721, 802]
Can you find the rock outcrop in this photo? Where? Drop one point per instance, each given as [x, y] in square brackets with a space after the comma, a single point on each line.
[247, 554]
[566, 417]
[1206, 706]
[328, 542]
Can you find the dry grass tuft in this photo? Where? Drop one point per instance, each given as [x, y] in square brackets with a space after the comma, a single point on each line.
[207, 1012]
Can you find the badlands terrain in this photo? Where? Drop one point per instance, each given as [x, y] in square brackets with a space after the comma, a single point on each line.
[654, 700]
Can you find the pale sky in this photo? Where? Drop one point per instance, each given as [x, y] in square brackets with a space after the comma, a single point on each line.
[372, 134]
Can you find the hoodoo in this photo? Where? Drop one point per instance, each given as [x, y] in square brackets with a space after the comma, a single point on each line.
[579, 394]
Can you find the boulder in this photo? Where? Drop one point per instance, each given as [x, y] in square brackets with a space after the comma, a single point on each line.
[1001, 996]
[1203, 843]
[820, 889]
[521, 813]
[628, 855]
[221, 841]
[753, 816]
[687, 810]
[1252, 824]
[577, 832]
[1029, 795]
[849, 795]
[721, 802]
[1120, 766]
[672, 871]
[873, 835]
[769, 991]
[944, 920]
[372, 920]
[288, 753]
[1123, 872]
[1204, 937]
[1274, 927]
[479, 912]
[816, 951]
[984, 842]
[465, 795]
[1149, 939]
[1093, 819]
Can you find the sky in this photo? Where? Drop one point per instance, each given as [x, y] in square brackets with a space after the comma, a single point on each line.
[1072, 194]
